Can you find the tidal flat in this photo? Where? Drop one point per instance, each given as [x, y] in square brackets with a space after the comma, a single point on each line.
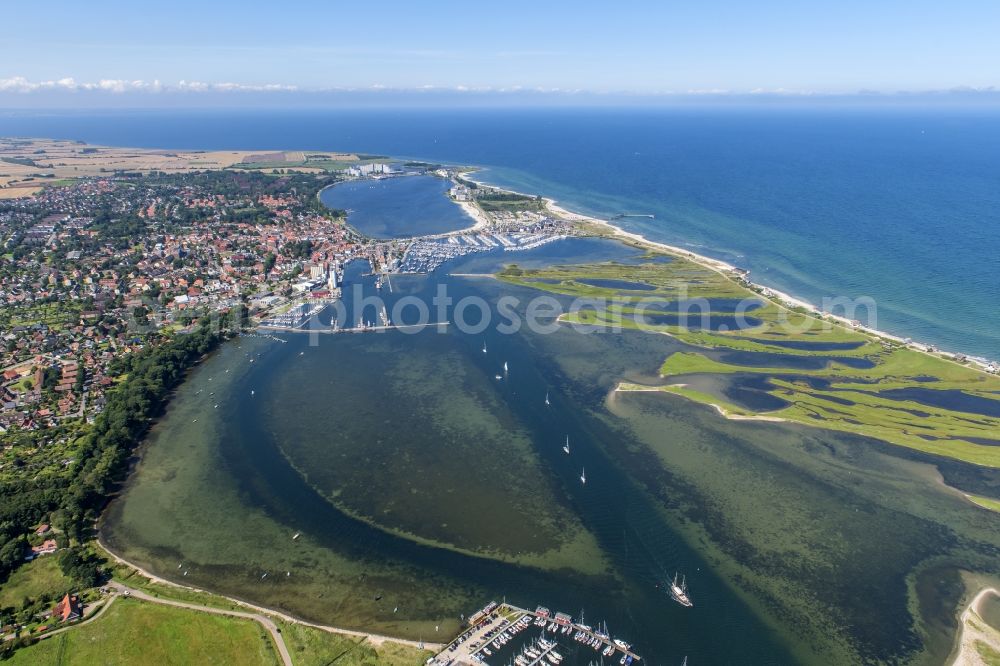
[421, 487]
[878, 383]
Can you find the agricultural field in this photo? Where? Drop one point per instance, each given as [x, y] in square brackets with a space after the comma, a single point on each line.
[29, 165]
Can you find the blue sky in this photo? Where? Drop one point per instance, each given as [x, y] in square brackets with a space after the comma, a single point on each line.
[640, 48]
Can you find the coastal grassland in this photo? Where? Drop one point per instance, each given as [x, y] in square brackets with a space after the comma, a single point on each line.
[500, 201]
[133, 632]
[441, 461]
[851, 399]
[986, 502]
[989, 654]
[40, 578]
[308, 645]
[848, 392]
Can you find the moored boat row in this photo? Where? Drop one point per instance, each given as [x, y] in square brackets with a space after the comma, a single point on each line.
[493, 629]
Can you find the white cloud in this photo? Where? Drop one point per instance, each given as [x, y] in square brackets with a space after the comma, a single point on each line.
[196, 86]
[19, 84]
[228, 86]
[22, 85]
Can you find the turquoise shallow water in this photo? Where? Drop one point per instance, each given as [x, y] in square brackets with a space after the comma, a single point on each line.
[901, 205]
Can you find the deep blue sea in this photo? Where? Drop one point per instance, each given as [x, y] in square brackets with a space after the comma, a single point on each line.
[900, 205]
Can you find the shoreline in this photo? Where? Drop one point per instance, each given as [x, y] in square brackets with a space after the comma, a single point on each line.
[965, 650]
[373, 638]
[782, 298]
[480, 221]
[475, 212]
[722, 411]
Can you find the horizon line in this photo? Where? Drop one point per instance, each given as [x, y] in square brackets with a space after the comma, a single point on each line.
[20, 87]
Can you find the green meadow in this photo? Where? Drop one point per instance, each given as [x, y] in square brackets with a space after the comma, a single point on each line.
[844, 394]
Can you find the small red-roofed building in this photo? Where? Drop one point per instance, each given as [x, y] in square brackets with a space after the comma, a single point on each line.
[68, 609]
[48, 546]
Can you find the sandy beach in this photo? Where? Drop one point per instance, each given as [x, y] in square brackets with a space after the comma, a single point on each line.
[723, 412]
[975, 630]
[476, 213]
[779, 297]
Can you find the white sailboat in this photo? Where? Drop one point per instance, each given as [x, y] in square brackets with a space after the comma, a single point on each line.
[680, 592]
[583, 477]
[547, 398]
[566, 446]
[484, 346]
[505, 366]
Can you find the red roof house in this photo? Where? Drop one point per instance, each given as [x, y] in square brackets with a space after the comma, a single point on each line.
[67, 609]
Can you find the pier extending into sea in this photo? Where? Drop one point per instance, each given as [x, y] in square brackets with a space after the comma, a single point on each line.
[327, 330]
[496, 625]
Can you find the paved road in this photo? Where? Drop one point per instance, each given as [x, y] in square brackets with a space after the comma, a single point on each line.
[264, 621]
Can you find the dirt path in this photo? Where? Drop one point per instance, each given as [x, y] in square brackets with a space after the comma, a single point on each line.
[264, 621]
[374, 639]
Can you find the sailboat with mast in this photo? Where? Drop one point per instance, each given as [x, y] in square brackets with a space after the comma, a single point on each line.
[566, 445]
[547, 398]
[679, 592]
[583, 476]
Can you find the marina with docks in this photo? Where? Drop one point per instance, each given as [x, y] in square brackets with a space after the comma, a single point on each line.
[501, 633]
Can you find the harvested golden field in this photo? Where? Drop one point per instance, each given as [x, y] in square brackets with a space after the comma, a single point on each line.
[18, 192]
[69, 159]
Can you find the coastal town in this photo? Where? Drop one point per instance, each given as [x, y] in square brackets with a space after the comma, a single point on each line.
[101, 266]
[98, 267]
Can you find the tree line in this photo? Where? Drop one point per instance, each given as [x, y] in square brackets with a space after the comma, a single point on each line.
[72, 501]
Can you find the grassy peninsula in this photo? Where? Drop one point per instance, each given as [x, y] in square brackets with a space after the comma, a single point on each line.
[824, 373]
